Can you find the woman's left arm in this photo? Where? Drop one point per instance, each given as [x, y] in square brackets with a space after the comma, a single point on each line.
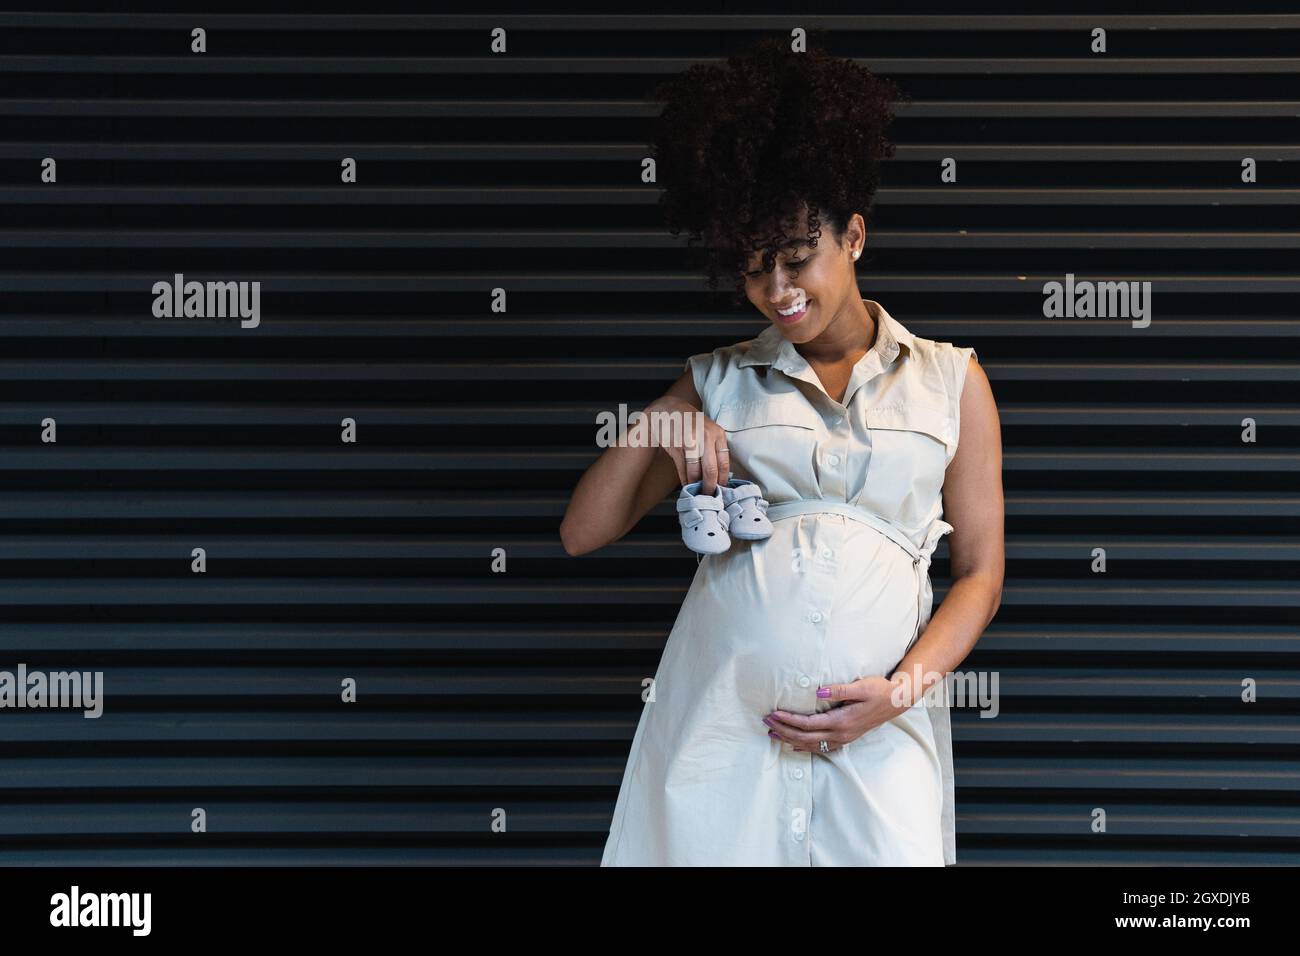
[973, 505]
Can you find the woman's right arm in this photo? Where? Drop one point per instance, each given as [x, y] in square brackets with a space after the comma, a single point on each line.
[625, 482]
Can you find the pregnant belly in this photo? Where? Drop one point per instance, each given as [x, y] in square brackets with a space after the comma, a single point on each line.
[824, 600]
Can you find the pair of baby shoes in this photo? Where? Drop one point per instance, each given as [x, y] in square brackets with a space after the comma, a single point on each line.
[734, 510]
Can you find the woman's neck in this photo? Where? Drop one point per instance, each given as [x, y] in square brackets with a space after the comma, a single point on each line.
[847, 337]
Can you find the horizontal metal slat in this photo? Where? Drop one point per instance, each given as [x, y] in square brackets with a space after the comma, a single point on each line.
[100, 64]
[216, 774]
[196, 416]
[303, 549]
[588, 853]
[583, 369]
[270, 507]
[125, 238]
[608, 109]
[322, 685]
[567, 196]
[121, 458]
[253, 641]
[395, 593]
[578, 816]
[596, 152]
[546, 325]
[591, 22]
[243, 817]
[525, 725]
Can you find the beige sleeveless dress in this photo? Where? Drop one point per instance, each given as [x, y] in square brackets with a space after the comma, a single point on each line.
[839, 591]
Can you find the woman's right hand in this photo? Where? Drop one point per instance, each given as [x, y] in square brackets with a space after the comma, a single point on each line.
[702, 453]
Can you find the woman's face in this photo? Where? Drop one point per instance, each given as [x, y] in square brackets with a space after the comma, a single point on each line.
[817, 280]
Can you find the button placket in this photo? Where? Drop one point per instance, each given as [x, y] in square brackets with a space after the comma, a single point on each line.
[796, 795]
[840, 435]
[830, 532]
[837, 472]
[819, 534]
[833, 452]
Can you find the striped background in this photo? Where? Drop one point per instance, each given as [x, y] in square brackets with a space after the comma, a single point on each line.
[372, 561]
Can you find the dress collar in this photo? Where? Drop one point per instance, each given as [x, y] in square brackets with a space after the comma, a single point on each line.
[770, 347]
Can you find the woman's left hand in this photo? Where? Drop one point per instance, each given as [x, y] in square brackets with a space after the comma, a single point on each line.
[868, 703]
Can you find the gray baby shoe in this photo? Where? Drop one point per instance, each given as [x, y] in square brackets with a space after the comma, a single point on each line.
[704, 519]
[747, 510]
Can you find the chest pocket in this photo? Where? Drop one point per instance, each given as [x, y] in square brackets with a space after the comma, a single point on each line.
[909, 454]
[775, 436]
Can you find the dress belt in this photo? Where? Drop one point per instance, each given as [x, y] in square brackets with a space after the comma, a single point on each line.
[808, 506]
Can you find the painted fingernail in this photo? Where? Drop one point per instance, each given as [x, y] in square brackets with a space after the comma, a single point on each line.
[768, 721]
[774, 735]
[823, 692]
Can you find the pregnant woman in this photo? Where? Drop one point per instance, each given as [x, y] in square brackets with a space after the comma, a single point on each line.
[789, 723]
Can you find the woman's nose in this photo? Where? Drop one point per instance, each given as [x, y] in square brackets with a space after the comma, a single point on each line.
[780, 293]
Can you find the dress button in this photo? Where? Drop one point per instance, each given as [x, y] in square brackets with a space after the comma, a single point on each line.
[827, 552]
[816, 617]
[797, 773]
[834, 460]
[805, 680]
[799, 836]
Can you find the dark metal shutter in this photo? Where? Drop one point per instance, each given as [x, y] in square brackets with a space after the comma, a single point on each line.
[373, 560]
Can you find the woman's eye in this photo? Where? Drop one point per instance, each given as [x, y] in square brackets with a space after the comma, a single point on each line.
[791, 263]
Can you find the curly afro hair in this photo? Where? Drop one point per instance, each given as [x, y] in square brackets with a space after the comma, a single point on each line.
[742, 150]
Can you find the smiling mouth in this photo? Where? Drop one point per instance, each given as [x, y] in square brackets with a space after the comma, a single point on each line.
[796, 312]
